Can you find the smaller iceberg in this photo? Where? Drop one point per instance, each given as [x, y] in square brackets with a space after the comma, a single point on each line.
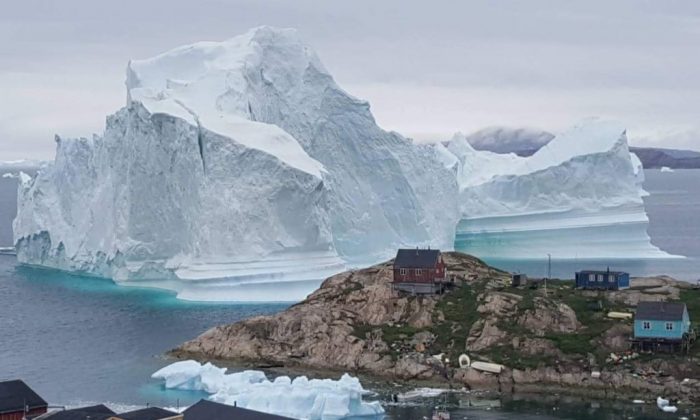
[302, 398]
[666, 169]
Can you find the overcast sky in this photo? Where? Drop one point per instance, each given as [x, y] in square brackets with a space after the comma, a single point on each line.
[428, 69]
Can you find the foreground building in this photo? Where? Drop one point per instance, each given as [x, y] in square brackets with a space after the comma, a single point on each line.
[18, 400]
[209, 410]
[662, 326]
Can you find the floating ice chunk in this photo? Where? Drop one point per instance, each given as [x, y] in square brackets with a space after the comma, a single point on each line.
[299, 398]
[666, 169]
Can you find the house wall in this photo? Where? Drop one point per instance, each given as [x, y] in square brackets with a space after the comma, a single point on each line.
[609, 281]
[427, 275]
[19, 415]
[658, 329]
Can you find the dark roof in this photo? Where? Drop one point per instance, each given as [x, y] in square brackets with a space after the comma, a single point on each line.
[417, 258]
[660, 311]
[94, 412]
[15, 395]
[209, 410]
[601, 272]
[150, 413]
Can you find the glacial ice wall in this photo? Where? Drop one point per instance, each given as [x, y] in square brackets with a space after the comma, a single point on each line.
[235, 167]
[580, 196]
[239, 170]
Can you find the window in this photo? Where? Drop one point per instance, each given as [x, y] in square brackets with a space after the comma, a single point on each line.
[646, 325]
[591, 277]
[403, 271]
[419, 272]
[669, 326]
[600, 278]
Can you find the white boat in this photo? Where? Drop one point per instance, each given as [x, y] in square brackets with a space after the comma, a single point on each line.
[487, 367]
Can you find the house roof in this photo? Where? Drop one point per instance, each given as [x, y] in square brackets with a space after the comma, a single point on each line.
[417, 258]
[660, 311]
[15, 395]
[150, 413]
[94, 412]
[209, 410]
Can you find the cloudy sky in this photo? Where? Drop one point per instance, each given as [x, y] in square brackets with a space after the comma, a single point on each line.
[428, 69]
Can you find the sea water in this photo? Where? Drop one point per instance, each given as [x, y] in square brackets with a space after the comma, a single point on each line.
[673, 208]
[83, 340]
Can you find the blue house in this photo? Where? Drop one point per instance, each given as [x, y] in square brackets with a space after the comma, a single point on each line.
[662, 326]
[602, 280]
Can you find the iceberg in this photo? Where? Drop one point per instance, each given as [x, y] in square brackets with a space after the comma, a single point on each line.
[240, 171]
[580, 195]
[300, 397]
[235, 168]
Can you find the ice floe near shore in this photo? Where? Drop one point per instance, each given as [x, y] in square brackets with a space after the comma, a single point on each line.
[300, 397]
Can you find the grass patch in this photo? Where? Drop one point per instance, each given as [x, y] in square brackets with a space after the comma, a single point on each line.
[691, 298]
[459, 310]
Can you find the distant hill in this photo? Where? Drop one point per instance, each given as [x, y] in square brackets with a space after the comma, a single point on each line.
[527, 141]
[521, 141]
[672, 158]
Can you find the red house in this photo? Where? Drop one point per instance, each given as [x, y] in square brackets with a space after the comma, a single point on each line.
[18, 401]
[419, 271]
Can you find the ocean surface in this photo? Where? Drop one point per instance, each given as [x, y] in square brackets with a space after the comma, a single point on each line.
[82, 340]
[673, 208]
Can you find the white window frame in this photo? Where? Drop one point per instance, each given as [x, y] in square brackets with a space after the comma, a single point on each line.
[600, 278]
[418, 271]
[403, 271]
[591, 277]
[646, 325]
[669, 326]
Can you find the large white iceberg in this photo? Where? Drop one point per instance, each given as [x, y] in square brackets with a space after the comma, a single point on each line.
[302, 398]
[240, 171]
[579, 196]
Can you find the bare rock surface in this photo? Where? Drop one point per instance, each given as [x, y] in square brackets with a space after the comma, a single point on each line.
[546, 340]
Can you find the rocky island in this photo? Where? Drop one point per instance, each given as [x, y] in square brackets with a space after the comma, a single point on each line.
[554, 339]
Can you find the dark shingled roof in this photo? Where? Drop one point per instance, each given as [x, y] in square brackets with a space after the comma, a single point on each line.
[417, 258]
[14, 395]
[660, 311]
[151, 413]
[94, 412]
[208, 410]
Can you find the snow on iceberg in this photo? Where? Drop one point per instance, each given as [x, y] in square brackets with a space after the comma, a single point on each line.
[298, 398]
[578, 196]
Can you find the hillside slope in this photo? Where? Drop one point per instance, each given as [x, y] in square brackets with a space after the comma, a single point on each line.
[355, 322]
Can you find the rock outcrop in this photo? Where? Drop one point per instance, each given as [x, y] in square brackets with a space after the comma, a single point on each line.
[545, 339]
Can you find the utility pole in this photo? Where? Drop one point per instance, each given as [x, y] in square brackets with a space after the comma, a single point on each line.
[549, 272]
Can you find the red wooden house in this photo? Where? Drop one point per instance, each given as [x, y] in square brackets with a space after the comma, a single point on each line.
[18, 401]
[419, 271]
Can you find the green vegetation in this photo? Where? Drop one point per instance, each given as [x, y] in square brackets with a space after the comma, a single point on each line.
[691, 298]
[458, 307]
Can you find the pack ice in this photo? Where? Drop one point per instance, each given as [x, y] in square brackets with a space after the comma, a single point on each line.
[302, 398]
[240, 171]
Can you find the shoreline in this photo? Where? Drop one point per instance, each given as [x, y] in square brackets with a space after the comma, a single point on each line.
[546, 340]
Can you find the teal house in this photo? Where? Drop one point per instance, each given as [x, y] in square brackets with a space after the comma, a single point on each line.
[662, 326]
